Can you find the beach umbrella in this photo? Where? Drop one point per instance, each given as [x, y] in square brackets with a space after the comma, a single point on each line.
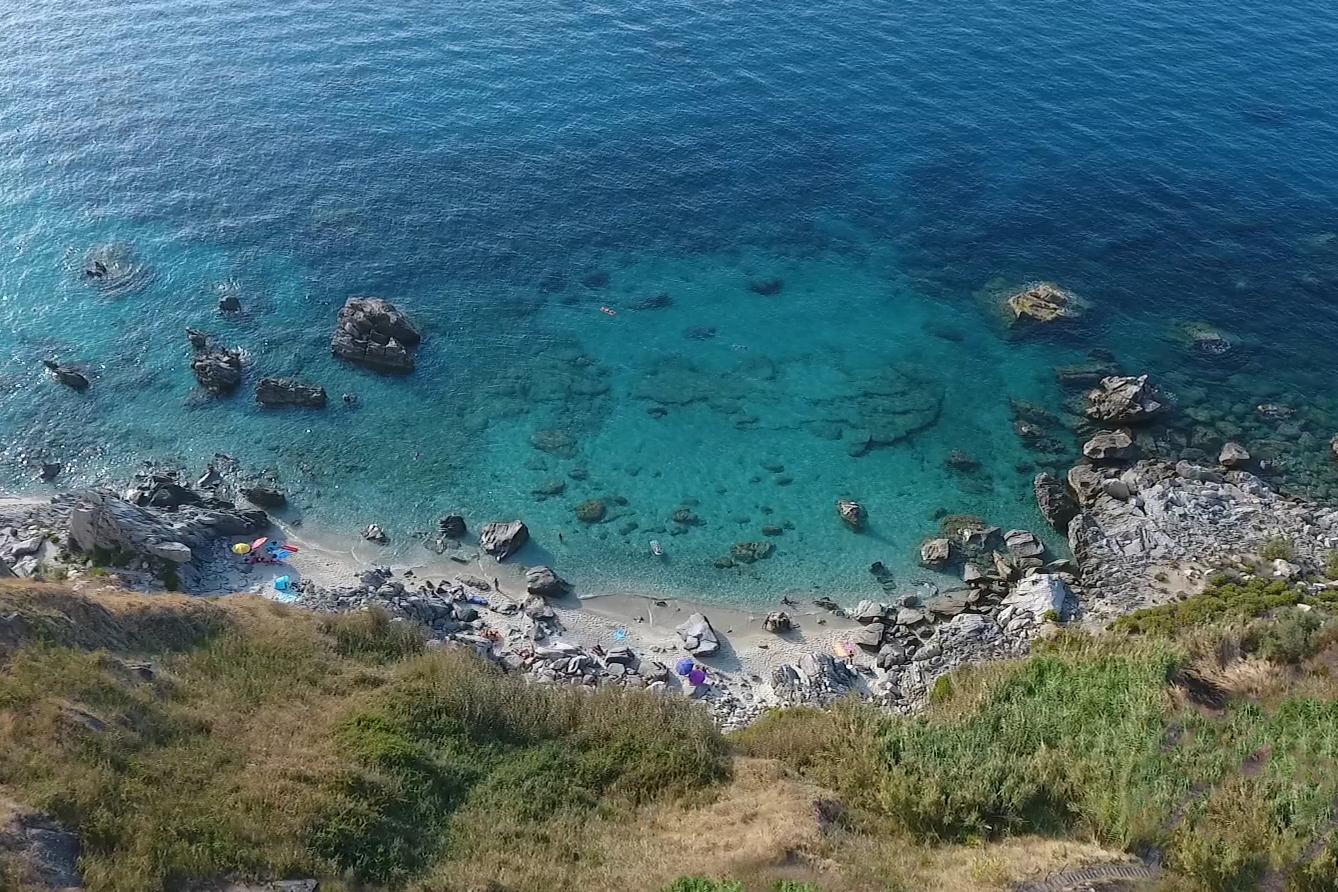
[684, 666]
[697, 677]
[241, 548]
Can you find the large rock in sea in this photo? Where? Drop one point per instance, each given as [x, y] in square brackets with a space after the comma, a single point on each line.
[218, 370]
[373, 332]
[67, 375]
[852, 513]
[936, 553]
[501, 540]
[1043, 302]
[289, 392]
[1054, 501]
[1123, 400]
[699, 639]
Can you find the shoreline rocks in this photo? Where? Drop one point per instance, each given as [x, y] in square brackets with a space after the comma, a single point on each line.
[1122, 400]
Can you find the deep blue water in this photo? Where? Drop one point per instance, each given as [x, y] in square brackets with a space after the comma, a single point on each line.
[482, 164]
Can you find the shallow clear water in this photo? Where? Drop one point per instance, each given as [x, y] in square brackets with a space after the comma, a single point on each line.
[487, 166]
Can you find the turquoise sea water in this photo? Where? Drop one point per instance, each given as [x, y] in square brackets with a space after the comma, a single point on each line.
[503, 170]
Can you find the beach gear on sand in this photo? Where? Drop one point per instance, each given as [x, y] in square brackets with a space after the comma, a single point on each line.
[620, 633]
[259, 543]
[684, 666]
[477, 600]
[697, 677]
[283, 584]
[241, 548]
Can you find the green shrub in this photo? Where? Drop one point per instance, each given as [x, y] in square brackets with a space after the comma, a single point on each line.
[702, 884]
[373, 634]
[1331, 564]
[1289, 638]
[1222, 600]
[1277, 548]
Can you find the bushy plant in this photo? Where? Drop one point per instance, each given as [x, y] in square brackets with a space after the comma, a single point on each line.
[1277, 548]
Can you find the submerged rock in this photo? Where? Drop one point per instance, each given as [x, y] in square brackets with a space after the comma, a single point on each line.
[265, 495]
[852, 514]
[115, 270]
[67, 375]
[373, 332]
[501, 540]
[591, 511]
[452, 526]
[749, 552]
[374, 533]
[288, 392]
[768, 287]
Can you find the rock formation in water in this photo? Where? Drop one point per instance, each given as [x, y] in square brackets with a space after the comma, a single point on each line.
[289, 392]
[374, 333]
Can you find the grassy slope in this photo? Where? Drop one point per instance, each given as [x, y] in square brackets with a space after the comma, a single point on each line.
[269, 742]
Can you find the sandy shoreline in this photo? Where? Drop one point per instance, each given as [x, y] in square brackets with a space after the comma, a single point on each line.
[643, 622]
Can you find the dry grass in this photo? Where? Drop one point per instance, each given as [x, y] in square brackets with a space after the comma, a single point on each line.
[758, 829]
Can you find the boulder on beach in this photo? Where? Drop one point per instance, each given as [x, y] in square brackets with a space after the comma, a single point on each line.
[867, 611]
[67, 375]
[373, 332]
[1043, 302]
[543, 581]
[777, 621]
[1123, 400]
[374, 533]
[502, 539]
[1038, 595]
[1110, 446]
[289, 392]
[699, 639]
